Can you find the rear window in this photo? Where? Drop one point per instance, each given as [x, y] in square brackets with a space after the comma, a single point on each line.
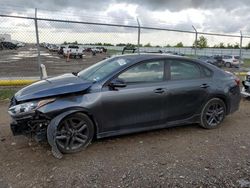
[237, 57]
[181, 70]
[227, 57]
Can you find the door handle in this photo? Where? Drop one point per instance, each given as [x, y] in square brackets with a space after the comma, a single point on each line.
[159, 90]
[204, 86]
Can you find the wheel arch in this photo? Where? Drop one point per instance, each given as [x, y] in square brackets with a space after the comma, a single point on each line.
[52, 127]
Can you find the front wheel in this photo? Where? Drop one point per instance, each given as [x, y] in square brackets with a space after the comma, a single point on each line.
[227, 64]
[213, 113]
[74, 133]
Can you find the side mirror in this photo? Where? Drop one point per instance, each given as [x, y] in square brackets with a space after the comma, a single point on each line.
[117, 83]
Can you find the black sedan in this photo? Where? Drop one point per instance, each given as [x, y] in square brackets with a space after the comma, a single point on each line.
[122, 95]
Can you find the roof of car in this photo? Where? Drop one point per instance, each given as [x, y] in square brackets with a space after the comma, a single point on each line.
[148, 56]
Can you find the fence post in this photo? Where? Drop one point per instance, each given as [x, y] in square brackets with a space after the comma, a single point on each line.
[38, 45]
[195, 42]
[139, 35]
[241, 38]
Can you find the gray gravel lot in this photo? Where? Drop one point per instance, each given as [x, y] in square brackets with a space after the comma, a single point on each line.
[187, 156]
[23, 62]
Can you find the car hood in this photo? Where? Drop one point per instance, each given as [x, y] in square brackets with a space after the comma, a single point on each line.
[64, 84]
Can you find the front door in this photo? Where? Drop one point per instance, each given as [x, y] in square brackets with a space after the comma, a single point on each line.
[140, 103]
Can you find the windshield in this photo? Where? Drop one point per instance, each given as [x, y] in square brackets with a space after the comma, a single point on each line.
[102, 69]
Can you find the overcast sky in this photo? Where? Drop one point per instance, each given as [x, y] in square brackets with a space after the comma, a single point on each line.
[220, 16]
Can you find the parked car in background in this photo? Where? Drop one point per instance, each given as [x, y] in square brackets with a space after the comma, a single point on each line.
[53, 47]
[73, 51]
[60, 49]
[246, 86]
[174, 53]
[9, 45]
[96, 50]
[20, 44]
[214, 60]
[121, 95]
[231, 61]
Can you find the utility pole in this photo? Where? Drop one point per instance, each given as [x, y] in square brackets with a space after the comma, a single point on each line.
[139, 35]
[241, 38]
[195, 42]
[38, 45]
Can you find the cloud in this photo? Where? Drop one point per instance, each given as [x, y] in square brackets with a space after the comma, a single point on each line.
[221, 16]
[177, 5]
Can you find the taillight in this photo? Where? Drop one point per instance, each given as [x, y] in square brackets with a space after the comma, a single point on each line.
[235, 60]
[237, 81]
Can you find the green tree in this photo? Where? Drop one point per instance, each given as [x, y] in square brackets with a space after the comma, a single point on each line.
[179, 45]
[248, 46]
[236, 45]
[221, 45]
[201, 42]
[229, 45]
[147, 45]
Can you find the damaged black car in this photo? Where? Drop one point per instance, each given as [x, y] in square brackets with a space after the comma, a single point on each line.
[121, 95]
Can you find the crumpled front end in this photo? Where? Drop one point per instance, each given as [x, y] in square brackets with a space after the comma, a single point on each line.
[26, 120]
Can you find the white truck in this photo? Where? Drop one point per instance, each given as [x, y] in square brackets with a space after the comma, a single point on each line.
[73, 51]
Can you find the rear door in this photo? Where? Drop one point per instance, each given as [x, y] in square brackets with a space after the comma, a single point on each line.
[187, 89]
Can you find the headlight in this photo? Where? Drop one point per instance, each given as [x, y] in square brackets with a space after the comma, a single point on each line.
[29, 107]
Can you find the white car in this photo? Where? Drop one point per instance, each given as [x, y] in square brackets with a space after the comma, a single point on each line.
[231, 61]
[246, 86]
[73, 51]
[53, 48]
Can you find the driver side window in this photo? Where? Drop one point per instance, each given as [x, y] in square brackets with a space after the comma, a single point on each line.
[152, 71]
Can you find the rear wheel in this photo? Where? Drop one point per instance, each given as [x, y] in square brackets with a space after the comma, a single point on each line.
[213, 113]
[74, 133]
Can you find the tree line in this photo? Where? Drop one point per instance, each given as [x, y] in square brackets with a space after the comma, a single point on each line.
[200, 43]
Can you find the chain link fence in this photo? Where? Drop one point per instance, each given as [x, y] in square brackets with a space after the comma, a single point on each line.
[70, 46]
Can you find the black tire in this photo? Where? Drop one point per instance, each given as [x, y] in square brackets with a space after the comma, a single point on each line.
[219, 64]
[227, 64]
[74, 133]
[213, 113]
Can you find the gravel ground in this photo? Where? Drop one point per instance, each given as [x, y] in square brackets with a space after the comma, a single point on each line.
[186, 156]
[23, 62]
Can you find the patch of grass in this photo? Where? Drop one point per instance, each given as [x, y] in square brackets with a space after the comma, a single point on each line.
[114, 52]
[246, 63]
[7, 93]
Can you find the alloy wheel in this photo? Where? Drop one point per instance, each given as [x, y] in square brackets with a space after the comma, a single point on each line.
[215, 114]
[72, 134]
